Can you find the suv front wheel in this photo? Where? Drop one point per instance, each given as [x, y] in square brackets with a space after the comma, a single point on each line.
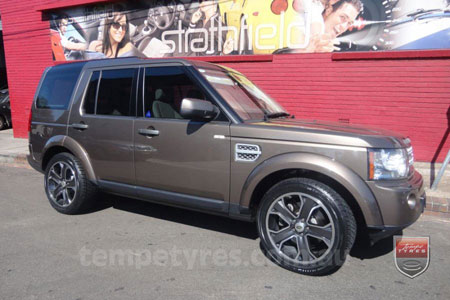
[305, 226]
[67, 187]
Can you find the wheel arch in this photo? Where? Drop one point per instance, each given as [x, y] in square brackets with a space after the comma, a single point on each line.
[59, 144]
[342, 179]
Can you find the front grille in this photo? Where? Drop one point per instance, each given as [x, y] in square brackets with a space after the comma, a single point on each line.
[248, 153]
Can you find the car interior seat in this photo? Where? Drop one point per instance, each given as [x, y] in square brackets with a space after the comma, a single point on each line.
[162, 108]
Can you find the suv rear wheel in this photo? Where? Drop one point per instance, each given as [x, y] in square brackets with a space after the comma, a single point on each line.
[305, 226]
[67, 187]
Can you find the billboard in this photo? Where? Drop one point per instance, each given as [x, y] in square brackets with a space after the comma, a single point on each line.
[180, 28]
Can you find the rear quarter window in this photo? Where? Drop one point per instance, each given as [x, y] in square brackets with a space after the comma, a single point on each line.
[57, 87]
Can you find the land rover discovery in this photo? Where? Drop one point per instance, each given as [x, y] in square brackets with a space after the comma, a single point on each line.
[204, 137]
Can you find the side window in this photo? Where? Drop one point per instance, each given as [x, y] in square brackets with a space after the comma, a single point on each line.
[91, 94]
[164, 89]
[57, 88]
[115, 93]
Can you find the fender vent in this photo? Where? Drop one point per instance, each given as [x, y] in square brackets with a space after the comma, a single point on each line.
[248, 153]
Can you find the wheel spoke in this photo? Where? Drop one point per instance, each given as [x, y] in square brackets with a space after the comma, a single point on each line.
[55, 180]
[59, 198]
[281, 210]
[65, 197]
[282, 235]
[64, 171]
[55, 175]
[324, 233]
[303, 248]
[60, 201]
[60, 167]
[57, 191]
[71, 193]
[69, 198]
[307, 206]
[71, 183]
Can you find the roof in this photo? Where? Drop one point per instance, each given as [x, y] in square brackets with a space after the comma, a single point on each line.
[126, 61]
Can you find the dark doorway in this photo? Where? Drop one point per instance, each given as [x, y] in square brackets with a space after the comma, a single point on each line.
[3, 79]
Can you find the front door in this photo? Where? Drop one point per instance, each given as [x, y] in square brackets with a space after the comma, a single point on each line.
[175, 155]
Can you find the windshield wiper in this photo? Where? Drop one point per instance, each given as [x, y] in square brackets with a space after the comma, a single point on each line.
[277, 115]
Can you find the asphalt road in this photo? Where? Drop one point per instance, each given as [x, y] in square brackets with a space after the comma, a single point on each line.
[129, 249]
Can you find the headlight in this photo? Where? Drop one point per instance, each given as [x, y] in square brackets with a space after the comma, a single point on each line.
[388, 164]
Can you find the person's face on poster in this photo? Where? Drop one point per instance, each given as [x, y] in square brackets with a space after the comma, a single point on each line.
[118, 29]
[63, 26]
[339, 21]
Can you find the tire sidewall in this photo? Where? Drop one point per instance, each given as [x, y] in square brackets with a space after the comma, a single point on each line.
[336, 256]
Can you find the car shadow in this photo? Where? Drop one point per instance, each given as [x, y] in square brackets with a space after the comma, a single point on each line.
[363, 249]
[183, 216]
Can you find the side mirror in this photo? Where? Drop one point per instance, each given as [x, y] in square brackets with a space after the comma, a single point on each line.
[196, 109]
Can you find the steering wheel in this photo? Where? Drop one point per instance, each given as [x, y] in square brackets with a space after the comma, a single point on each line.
[162, 17]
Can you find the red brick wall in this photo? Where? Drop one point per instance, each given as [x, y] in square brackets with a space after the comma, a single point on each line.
[26, 38]
[410, 96]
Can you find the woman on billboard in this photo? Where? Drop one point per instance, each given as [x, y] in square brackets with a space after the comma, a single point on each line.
[115, 41]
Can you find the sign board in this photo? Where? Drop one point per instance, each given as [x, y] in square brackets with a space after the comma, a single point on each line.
[181, 28]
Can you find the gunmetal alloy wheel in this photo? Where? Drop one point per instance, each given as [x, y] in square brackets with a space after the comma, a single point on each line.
[305, 226]
[62, 184]
[67, 186]
[300, 228]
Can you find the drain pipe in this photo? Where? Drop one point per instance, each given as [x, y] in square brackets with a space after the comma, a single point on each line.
[441, 172]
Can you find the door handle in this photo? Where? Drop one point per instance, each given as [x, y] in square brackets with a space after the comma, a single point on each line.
[80, 126]
[148, 132]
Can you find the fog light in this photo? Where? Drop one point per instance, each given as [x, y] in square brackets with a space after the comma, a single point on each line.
[412, 201]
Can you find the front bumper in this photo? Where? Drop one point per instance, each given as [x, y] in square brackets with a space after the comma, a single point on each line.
[377, 233]
[401, 202]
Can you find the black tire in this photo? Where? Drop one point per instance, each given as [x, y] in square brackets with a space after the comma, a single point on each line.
[3, 123]
[83, 197]
[330, 214]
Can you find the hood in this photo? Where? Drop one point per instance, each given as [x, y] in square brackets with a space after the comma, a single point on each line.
[322, 132]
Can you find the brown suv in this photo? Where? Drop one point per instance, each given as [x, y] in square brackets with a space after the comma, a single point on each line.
[204, 137]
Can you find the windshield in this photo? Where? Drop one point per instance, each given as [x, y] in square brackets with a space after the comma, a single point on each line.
[246, 99]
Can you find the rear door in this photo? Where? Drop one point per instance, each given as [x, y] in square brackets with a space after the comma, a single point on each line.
[103, 123]
[184, 157]
[51, 108]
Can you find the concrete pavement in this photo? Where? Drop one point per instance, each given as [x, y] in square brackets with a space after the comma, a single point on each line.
[12, 151]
